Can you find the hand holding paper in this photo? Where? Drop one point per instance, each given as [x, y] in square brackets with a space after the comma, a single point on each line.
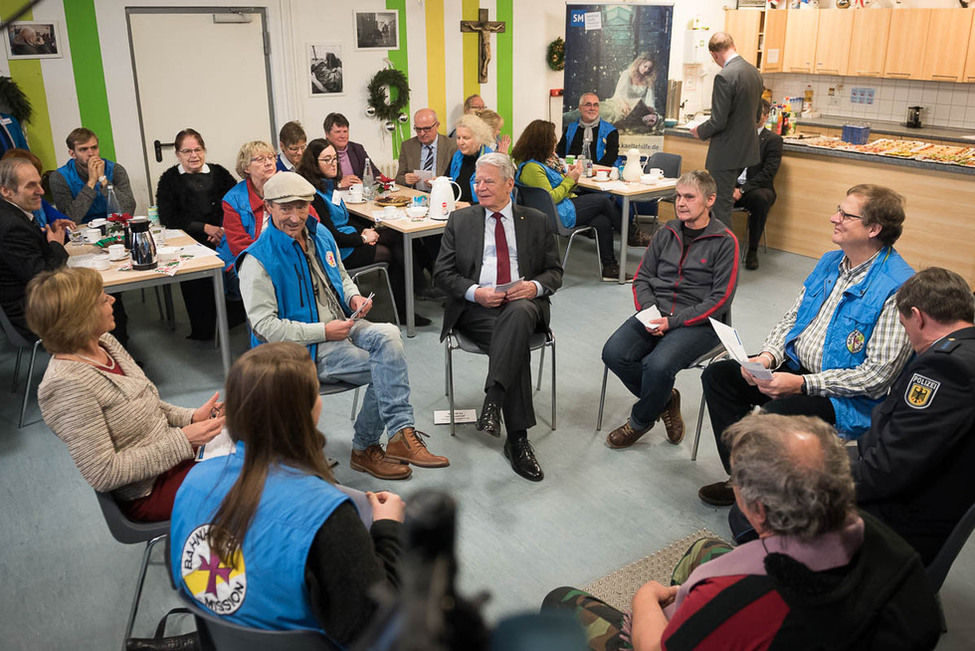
[732, 343]
[648, 315]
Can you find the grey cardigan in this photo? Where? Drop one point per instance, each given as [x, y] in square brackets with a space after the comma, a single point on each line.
[118, 432]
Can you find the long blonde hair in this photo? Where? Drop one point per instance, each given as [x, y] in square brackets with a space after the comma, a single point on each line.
[636, 77]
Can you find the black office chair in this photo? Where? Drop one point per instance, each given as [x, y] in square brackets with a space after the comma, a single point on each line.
[380, 268]
[219, 634]
[22, 344]
[456, 340]
[938, 569]
[540, 199]
[130, 532]
[671, 165]
[331, 388]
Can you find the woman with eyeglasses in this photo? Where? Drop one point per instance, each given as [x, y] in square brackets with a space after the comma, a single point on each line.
[474, 139]
[243, 205]
[189, 197]
[358, 246]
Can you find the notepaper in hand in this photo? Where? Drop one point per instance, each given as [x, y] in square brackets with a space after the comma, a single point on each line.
[648, 315]
[506, 286]
[732, 343]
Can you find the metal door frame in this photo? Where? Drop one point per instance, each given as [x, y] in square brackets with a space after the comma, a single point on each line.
[129, 11]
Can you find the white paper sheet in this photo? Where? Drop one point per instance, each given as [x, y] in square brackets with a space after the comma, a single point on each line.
[506, 286]
[442, 416]
[732, 343]
[361, 503]
[219, 446]
[647, 315]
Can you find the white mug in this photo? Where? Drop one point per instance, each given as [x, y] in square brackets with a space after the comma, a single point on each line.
[602, 175]
[116, 251]
[93, 235]
[656, 172]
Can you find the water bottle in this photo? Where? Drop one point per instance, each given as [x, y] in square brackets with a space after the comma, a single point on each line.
[368, 182]
[587, 159]
[112, 202]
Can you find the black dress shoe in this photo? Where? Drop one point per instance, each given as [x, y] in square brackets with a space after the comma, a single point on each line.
[490, 420]
[420, 321]
[522, 457]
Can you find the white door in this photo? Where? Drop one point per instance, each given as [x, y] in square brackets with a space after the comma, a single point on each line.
[194, 69]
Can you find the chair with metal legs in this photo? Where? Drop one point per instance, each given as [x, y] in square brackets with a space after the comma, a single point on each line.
[382, 268]
[130, 532]
[22, 344]
[541, 200]
[331, 388]
[456, 340]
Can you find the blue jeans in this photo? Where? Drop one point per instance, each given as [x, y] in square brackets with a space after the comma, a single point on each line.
[648, 364]
[373, 355]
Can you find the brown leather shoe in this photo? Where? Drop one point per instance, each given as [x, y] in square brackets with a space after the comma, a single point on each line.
[373, 461]
[673, 421]
[406, 446]
[624, 436]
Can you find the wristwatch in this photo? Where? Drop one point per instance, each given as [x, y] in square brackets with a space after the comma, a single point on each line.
[803, 389]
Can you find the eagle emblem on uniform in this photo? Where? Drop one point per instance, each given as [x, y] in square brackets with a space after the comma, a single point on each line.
[920, 391]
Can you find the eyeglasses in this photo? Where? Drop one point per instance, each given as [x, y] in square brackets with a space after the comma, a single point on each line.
[187, 152]
[328, 160]
[591, 105]
[845, 216]
[426, 129]
[296, 149]
[263, 159]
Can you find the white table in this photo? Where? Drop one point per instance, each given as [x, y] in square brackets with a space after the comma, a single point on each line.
[629, 191]
[209, 266]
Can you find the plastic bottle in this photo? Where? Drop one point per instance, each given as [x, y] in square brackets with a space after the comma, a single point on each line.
[112, 201]
[368, 182]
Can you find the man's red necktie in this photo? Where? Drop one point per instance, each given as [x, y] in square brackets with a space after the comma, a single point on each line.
[501, 246]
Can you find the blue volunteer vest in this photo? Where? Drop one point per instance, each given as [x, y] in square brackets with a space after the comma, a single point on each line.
[265, 586]
[456, 162]
[565, 208]
[339, 214]
[286, 264]
[850, 327]
[239, 199]
[605, 128]
[99, 206]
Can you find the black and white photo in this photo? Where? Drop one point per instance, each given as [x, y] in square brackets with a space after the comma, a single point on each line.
[325, 69]
[33, 40]
[376, 30]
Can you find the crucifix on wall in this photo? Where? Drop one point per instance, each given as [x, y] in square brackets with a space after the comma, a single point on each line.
[484, 29]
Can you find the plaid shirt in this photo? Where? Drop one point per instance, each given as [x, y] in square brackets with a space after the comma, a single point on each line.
[887, 350]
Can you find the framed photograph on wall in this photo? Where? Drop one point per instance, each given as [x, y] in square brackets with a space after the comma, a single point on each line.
[376, 30]
[33, 40]
[325, 70]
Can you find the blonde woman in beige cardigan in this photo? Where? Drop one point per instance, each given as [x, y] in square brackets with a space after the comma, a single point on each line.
[122, 437]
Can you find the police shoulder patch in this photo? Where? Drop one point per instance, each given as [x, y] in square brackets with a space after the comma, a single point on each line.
[920, 391]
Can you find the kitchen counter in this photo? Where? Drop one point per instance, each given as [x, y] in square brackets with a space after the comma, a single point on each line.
[895, 129]
[796, 145]
[938, 231]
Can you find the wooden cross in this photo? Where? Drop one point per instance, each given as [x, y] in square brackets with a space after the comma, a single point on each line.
[484, 28]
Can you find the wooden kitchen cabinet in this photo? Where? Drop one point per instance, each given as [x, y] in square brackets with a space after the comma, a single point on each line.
[868, 43]
[773, 45]
[800, 40]
[948, 35]
[833, 38]
[744, 25]
[906, 42]
[969, 75]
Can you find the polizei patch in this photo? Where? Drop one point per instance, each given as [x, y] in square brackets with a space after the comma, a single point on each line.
[920, 392]
[216, 585]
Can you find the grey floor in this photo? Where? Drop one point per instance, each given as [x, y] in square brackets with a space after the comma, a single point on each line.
[67, 584]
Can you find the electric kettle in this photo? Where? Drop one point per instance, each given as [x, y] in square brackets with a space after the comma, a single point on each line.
[443, 197]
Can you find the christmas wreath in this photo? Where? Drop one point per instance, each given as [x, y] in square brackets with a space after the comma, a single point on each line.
[388, 109]
[555, 57]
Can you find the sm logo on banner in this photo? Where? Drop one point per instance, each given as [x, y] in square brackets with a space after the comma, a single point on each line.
[577, 18]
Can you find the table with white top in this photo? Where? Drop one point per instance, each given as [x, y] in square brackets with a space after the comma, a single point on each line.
[204, 266]
[629, 191]
[411, 230]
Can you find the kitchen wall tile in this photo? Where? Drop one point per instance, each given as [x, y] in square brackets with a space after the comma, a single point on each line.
[959, 97]
[956, 115]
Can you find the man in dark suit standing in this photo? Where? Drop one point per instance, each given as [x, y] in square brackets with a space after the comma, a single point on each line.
[25, 250]
[731, 128]
[484, 246]
[754, 190]
[429, 151]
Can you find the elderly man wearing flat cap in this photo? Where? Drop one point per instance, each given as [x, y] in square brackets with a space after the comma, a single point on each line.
[295, 289]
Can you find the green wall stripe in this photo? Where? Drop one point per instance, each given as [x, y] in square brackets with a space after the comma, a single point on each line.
[89, 75]
[506, 62]
[400, 59]
[28, 76]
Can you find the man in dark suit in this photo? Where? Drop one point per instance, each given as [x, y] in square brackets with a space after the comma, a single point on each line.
[484, 246]
[429, 151]
[754, 190]
[914, 465]
[731, 128]
[352, 155]
[25, 250]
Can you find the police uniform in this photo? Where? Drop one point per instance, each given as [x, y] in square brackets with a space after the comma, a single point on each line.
[916, 461]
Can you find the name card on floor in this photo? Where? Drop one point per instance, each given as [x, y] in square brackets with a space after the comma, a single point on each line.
[442, 416]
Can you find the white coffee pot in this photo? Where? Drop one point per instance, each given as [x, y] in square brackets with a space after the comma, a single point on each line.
[443, 198]
[633, 170]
